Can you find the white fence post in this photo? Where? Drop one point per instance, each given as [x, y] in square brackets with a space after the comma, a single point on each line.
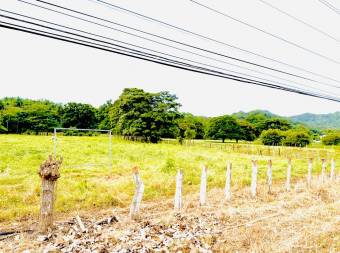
[269, 176]
[228, 182]
[137, 198]
[323, 169]
[253, 178]
[203, 188]
[178, 194]
[332, 176]
[309, 176]
[289, 174]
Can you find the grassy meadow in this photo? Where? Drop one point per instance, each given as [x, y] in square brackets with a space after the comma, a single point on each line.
[88, 182]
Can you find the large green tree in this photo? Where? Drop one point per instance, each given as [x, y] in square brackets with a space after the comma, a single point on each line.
[79, 115]
[224, 127]
[137, 113]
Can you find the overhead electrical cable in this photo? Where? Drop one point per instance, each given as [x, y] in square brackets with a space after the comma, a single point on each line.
[154, 51]
[193, 68]
[300, 21]
[164, 38]
[206, 37]
[330, 6]
[266, 32]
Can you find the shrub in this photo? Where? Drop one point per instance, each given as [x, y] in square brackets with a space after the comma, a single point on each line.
[331, 139]
[3, 129]
[272, 137]
[296, 138]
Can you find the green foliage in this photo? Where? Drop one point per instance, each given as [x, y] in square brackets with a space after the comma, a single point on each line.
[79, 115]
[332, 138]
[190, 123]
[224, 127]
[190, 134]
[3, 129]
[142, 114]
[272, 137]
[322, 121]
[297, 138]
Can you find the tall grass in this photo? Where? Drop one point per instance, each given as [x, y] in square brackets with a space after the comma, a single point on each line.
[88, 182]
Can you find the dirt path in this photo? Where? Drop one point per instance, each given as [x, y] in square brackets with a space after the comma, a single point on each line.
[298, 221]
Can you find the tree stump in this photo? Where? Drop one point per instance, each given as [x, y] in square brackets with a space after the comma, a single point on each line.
[49, 174]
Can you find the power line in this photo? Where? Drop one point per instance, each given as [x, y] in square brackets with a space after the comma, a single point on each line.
[157, 36]
[330, 6]
[129, 44]
[206, 37]
[193, 69]
[300, 21]
[267, 33]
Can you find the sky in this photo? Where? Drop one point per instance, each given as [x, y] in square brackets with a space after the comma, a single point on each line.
[41, 68]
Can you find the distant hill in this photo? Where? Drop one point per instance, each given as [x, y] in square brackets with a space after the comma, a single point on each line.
[330, 120]
[320, 121]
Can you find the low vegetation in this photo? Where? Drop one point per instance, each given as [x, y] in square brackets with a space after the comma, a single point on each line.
[88, 183]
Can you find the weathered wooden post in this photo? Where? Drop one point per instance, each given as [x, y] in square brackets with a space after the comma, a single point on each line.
[332, 176]
[309, 176]
[203, 188]
[137, 198]
[178, 194]
[228, 182]
[289, 174]
[269, 176]
[253, 178]
[323, 169]
[49, 174]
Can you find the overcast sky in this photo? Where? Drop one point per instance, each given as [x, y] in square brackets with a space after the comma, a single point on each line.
[36, 67]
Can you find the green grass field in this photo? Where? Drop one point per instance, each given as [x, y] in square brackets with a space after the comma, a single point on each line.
[87, 182]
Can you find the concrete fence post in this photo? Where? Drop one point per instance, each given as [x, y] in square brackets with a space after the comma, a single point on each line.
[332, 175]
[254, 178]
[269, 176]
[178, 194]
[289, 174]
[137, 198]
[309, 176]
[203, 186]
[228, 182]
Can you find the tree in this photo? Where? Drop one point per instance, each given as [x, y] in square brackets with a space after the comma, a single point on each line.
[272, 137]
[190, 134]
[79, 115]
[137, 113]
[224, 127]
[276, 123]
[332, 138]
[247, 131]
[103, 115]
[2, 106]
[191, 122]
[297, 138]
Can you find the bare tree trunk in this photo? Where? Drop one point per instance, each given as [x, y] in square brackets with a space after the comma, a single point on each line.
[49, 173]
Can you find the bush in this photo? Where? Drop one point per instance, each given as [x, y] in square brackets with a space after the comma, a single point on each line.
[331, 139]
[296, 138]
[272, 137]
[3, 129]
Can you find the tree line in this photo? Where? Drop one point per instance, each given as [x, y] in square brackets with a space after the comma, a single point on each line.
[147, 116]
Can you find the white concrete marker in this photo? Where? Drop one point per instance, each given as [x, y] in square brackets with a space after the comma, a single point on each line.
[253, 178]
[228, 182]
[178, 194]
[137, 198]
[203, 188]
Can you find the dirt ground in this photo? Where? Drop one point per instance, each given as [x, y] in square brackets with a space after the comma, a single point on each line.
[302, 220]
